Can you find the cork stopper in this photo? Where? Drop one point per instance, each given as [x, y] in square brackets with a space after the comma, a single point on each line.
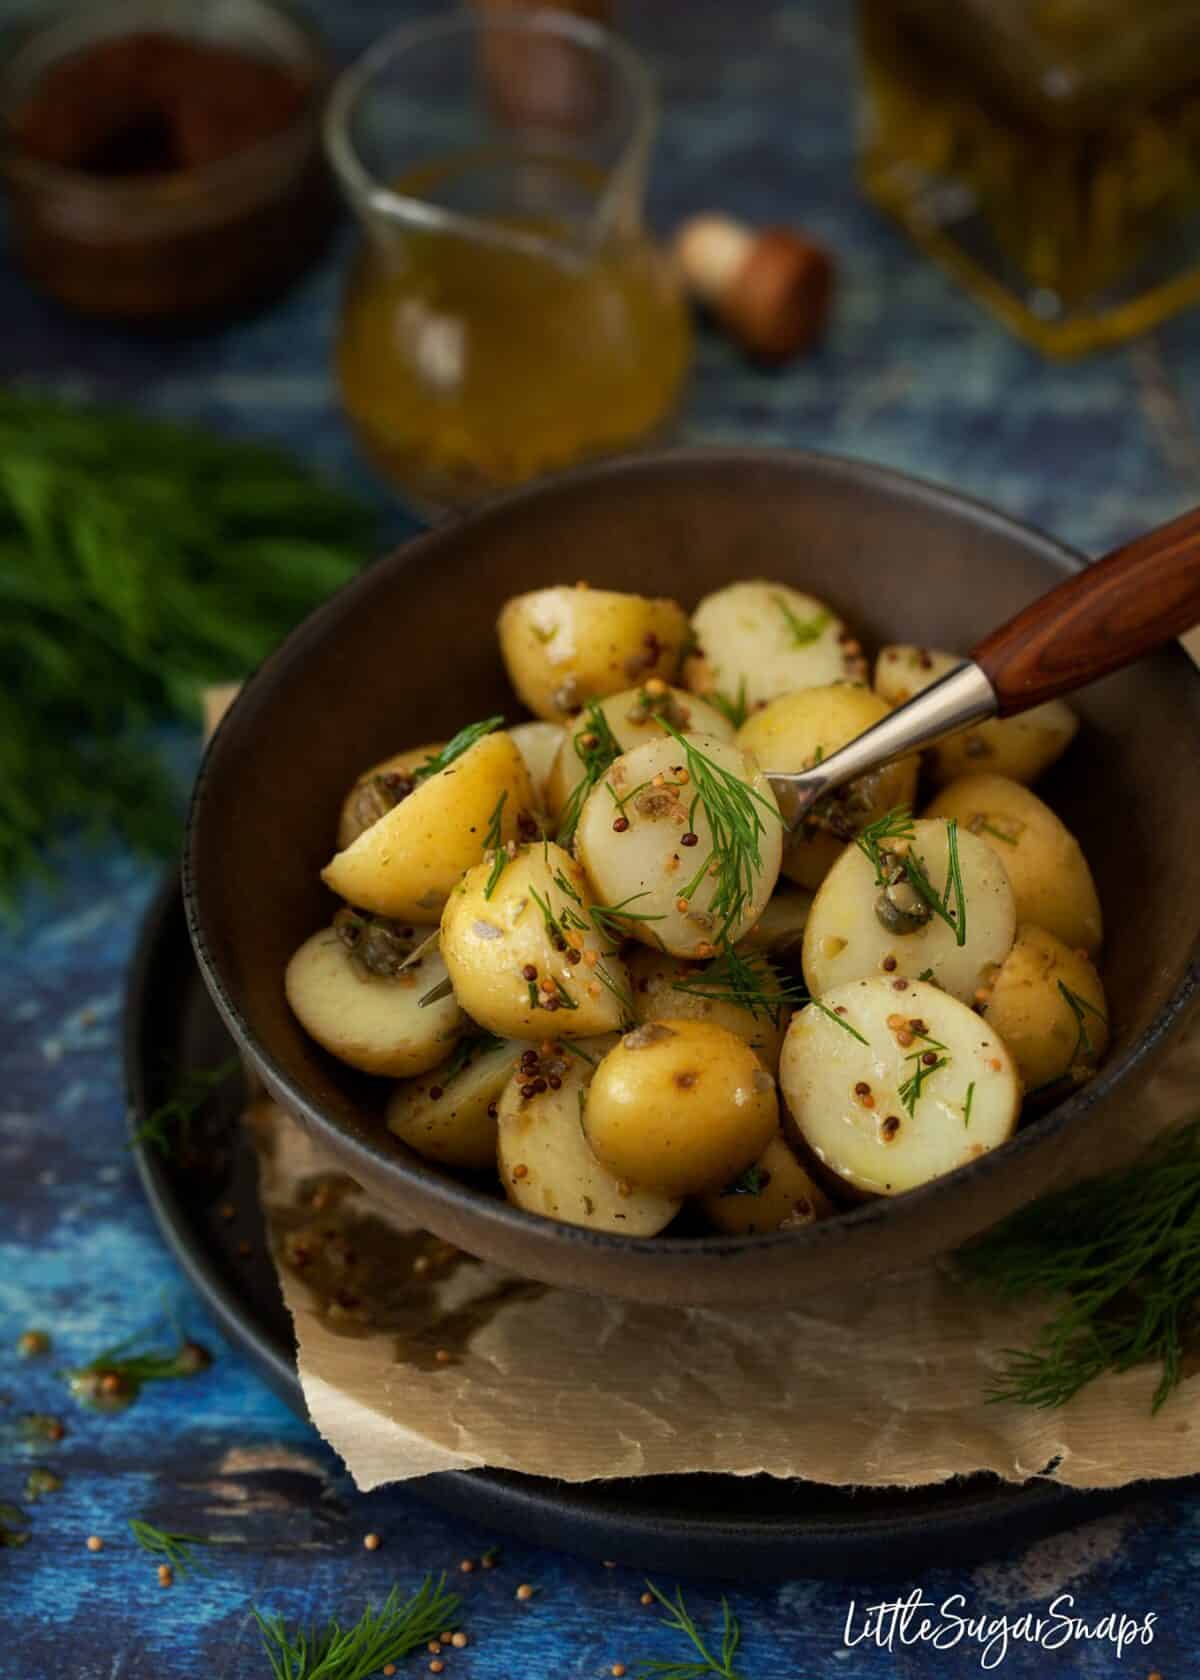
[771, 289]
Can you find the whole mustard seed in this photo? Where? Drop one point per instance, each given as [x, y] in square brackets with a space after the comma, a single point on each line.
[389, 1669]
[166, 1576]
[436, 1666]
[467, 1566]
[32, 1343]
[617, 1671]
[647, 1599]
[459, 1641]
[372, 1542]
[434, 1648]
[94, 1543]
[443, 1356]
[524, 1591]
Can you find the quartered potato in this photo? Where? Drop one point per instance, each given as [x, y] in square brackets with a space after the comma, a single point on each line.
[347, 991]
[1051, 881]
[380, 788]
[546, 1164]
[565, 646]
[775, 1194]
[656, 979]
[633, 716]
[646, 839]
[524, 954]
[759, 640]
[891, 1090]
[680, 1107]
[858, 927]
[779, 931]
[449, 1115]
[1020, 747]
[406, 864]
[1047, 1003]
[799, 730]
[538, 743]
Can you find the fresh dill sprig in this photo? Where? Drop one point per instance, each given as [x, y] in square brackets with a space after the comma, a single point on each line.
[114, 1379]
[1120, 1254]
[574, 1050]
[359, 1652]
[468, 1049]
[169, 1124]
[679, 1619]
[983, 827]
[492, 843]
[596, 748]
[967, 1101]
[897, 824]
[734, 812]
[174, 1549]
[749, 983]
[456, 746]
[735, 710]
[837, 1020]
[752, 1182]
[804, 631]
[1081, 1009]
[609, 919]
[913, 1088]
[142, 560]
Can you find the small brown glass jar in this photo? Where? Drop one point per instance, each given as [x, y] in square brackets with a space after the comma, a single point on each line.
[163, 162]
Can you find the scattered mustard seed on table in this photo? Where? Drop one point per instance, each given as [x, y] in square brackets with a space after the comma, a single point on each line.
[525, 1590]
[372, 1542]
[459, 1640]
[32, 1343]
[467, 1566]
[94, 1543]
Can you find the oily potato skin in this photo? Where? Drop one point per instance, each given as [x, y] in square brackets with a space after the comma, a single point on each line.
[842, 1080]
[1034, 1017]
[844, 939]
[680, 1107]
[795, 732]
[563, 646]
[547, 1166]
[1051, 881]
[789, 1198]
[749, 648]
[488, 943]
[649, 864]
[1021, 747]
[372, 1023]
[631, 724]
[406, 864]
[453, 1120]
[653, 976]
[351, 821]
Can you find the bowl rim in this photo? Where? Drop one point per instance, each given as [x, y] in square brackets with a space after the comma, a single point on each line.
[458, 1196]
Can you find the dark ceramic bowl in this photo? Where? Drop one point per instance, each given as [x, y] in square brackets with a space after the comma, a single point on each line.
[407, 652]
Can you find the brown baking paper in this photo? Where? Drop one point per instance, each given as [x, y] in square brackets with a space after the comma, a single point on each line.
[415, 1359]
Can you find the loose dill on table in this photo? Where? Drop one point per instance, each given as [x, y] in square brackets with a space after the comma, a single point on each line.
[168, 1126]
[596, 748]
[114, 1379]
[176, 1550]
[360, 1651]
[1119, 1256]
[142, 561]
[679, 1619]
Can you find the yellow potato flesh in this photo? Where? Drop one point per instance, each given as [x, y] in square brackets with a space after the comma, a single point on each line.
[451, 1119]
[680, 1107]
[774, 1194]
[406, 864]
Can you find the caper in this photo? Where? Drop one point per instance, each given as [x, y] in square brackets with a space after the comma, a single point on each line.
[375, 944]
[375, 796]
[900, 908]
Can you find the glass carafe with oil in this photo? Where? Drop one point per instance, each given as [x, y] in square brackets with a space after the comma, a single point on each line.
[506, 314]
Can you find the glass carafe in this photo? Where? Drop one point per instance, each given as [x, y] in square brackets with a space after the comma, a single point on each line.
[506, 314]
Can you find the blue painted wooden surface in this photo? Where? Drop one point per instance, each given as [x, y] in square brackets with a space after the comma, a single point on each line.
[759, 117]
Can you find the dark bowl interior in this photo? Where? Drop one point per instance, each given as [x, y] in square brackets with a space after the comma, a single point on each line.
[407, 653]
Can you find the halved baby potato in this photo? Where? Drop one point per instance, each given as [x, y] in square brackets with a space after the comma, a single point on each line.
[680, 1107]
[538, 743]
[1020, 747]
[656, 979]
[890, 1091]
[779, 930]
[633, 716]
[646, 841]
[1051, 881]
[449, 1114]
[341, 992]
[406, 864]
[379, 789]
[859, 927]
[774, 1194]
[1047, 1003]
[564, 646]
[759, 640]
[797, 731]
[525, 957]
[546, 1164]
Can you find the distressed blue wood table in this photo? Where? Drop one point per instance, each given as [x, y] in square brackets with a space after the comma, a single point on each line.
[759, 117]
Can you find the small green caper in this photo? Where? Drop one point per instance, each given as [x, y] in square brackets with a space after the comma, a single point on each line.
[900, 908]
[375, 796]
[376, 945]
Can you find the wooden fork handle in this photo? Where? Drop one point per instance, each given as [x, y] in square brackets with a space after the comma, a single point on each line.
[1123, 606]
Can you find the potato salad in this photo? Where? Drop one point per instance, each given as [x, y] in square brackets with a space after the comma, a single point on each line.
[594, 964]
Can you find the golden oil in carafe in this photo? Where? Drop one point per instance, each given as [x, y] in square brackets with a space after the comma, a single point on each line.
[1047, 151]
[468, 364]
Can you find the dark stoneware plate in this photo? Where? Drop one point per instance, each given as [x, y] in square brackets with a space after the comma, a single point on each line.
[751, 1528]
[407, 652]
